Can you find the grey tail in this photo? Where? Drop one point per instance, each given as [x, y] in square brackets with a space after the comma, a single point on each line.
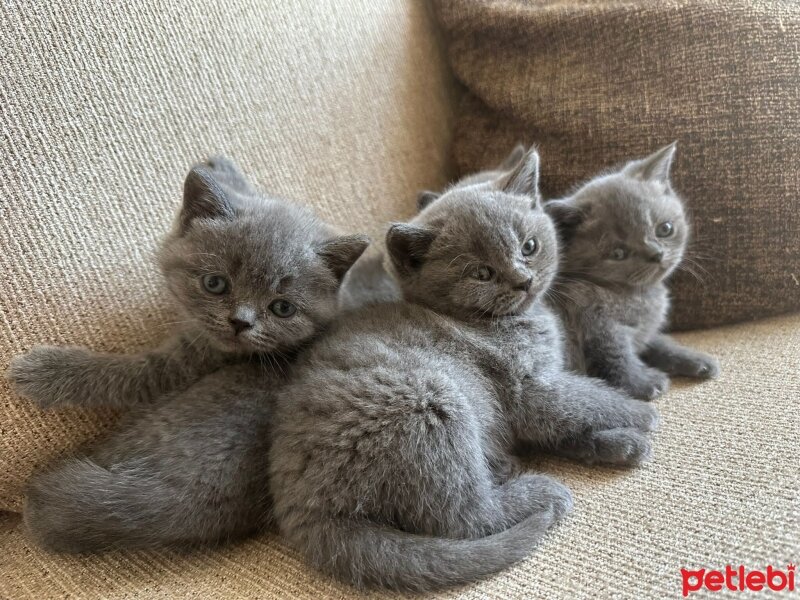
[368, 555]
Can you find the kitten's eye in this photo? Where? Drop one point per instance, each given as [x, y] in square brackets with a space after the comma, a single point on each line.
[283, 309]
[215, 284]
[483, 273]
[529, 247]
[619, 254]
[665, 229]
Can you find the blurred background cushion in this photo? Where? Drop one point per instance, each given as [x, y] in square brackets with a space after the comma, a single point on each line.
[597, 83]
[343, 106]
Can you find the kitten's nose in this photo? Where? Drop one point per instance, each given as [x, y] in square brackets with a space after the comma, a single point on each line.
[656, 257]
[239, 325]
[524, 286]
[243, 317]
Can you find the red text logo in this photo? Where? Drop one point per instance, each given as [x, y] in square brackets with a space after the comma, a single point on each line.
[738, 580]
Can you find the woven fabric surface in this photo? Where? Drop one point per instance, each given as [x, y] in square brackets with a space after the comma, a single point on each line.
[597, 83]
[105, 105]
[722, 489]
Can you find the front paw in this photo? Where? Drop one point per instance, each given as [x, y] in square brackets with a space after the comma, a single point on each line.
[43, 375]
[647, 385]
[700, 366]
[623, 446]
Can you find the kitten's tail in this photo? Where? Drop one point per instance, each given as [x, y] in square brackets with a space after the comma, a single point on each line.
[368, 555]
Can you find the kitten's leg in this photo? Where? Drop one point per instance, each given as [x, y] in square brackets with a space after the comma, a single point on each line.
[52, 375]
[666, 354]
[609, 354]
[585, 419]
[624, 446]
[528, 493]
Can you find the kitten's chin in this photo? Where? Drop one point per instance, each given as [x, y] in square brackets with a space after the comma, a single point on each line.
[240, 344]
[516, 306]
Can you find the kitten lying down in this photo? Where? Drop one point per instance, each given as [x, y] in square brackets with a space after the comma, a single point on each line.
[394, 442]
[254, 278]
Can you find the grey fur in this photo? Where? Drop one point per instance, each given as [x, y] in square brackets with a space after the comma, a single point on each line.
[426, 197]
[367, 283]
[393, 455]
[614, 310]
[187, 464]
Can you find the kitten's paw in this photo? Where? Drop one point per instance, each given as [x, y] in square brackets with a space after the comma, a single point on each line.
[624, 447]
[701, 366]
[41, 374]
[548, 494]
[651, 384]
[643, 416]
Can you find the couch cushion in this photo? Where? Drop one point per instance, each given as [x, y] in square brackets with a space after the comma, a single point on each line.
[342, 105]
[597, 83]
[722, 489]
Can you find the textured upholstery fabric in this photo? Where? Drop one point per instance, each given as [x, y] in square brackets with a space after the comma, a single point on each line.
[596, 83]
[722, 489]
[105, 105]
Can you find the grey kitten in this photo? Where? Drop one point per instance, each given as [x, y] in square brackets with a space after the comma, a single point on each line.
[393, 445]
[255, 278]
[368, 282]
[624, 233]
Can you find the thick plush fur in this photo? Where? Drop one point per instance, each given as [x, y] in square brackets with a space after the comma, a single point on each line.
[393, 455]
[188, 464]
[368, 283]
[611, 288]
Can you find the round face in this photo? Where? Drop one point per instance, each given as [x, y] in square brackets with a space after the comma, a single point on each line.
[493, 255]
[632, 233]
[250, 286]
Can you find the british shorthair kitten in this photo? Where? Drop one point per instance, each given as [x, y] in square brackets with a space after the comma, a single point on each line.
[623, 233]
[254, 278]
[392, 461]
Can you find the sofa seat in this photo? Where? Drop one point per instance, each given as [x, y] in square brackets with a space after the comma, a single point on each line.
[722, 489]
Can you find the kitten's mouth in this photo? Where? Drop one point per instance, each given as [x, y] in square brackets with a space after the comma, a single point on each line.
[518, 303]
[230, 342]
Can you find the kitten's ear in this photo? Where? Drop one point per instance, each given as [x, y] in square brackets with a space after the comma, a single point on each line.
[567, 216]
[340, 253]
[512, 159]
[408, 245]
[524, 178]
[564, 213]
[203, 198]
[655, 167]
[425, 199]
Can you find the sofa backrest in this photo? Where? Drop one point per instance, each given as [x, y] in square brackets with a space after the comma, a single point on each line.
[345, 106]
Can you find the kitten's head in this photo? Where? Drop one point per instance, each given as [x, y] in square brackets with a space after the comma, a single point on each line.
[479, 250]
[255, 274]
[626, 227]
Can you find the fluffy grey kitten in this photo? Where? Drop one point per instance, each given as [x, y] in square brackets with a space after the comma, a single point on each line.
[392, 459]
[368, 282]
[255, 278]
[624, 233]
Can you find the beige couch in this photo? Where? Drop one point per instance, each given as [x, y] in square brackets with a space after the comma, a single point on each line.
[346, 106]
